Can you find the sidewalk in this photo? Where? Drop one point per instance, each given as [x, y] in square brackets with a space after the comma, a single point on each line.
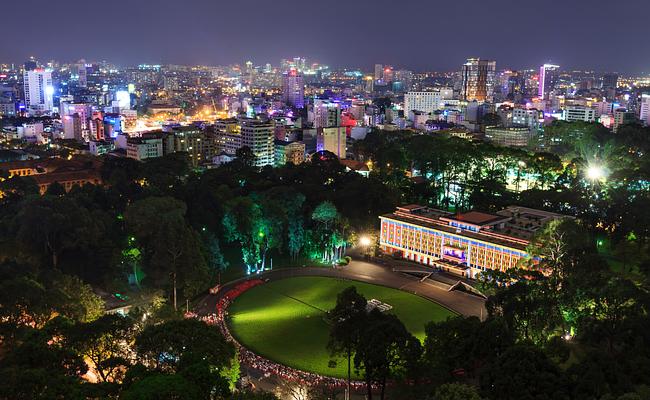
[408, 266]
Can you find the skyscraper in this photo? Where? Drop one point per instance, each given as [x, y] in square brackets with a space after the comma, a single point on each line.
[31, 64]
[293, 89]
[548, 77]
[387, 75]
[403, 80]
[39, 91]
[610, 81]
[644, 114]
[379, 72]
[477, 79]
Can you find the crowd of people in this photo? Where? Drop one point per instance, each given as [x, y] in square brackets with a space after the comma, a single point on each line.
[268, 368]
[261, 364]
[235, 292]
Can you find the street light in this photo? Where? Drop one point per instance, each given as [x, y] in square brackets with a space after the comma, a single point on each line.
[365, 241]
[595, 173]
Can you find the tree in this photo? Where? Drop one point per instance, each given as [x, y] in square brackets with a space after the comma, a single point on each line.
[42, 368]
[293, 391]
[597, 375]
[242, 224]
[165, 175]
[55, 189]
[214, 256]
[106, 342]
[78, 301]
[173, 250]
[463, 344]
[25, 303]
[456, 391]
[347, 319]
[173, 345]
[163, 387]
[16, 188]
[529, 305]
[247, 395]
[328, 223]
[246, 156]
[610, 315]
[380, 349]
[491, 119]
[291, 202]
[50, 226]
[523, 373]
[558, 247]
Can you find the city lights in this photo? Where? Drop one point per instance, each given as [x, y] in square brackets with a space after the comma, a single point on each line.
[397, 218]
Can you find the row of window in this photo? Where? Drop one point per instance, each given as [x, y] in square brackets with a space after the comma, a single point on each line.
[429, 242]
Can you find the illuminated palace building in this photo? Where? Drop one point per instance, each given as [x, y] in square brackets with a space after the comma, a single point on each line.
[465, 243]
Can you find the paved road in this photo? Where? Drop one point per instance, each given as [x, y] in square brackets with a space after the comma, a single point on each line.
[369, 272]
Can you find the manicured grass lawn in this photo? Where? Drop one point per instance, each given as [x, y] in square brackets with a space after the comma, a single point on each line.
[284, 320]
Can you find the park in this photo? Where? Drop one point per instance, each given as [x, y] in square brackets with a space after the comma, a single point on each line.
[286, 320]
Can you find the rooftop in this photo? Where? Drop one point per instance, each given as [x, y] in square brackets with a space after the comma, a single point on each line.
[512, 227]
[476, 218]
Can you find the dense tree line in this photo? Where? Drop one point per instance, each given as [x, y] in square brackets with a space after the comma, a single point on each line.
[457, 174]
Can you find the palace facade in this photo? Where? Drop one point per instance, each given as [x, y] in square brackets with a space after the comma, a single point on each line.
[465, 243]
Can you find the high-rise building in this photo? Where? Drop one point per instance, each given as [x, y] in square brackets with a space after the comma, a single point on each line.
[31, 64]
[192, 140]
[332, 139]
[326, 114]
[299, 63]
[512, 137]
[289, 152]
[379, 72]
[512, 85]
[622, 116]
[477, 79]
[83, 113]
[610, 81]
[644, 114]
[39, 91]
[387, 74]
[548, 77]
[426, 102]
[293, 89]
[579, 113]
[259, 137]
[369, 84]
[403, 80]
[72, 128]
[530, 117]
[147, 146]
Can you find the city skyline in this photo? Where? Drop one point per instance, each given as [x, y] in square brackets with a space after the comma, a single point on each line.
[415, 35]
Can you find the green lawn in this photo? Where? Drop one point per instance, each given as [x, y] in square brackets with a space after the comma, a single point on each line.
[284, 320]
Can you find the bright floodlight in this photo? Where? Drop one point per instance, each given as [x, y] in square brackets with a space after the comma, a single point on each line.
[365, 241]
[595, 173]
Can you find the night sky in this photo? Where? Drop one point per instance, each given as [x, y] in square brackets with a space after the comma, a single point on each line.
[603, 35]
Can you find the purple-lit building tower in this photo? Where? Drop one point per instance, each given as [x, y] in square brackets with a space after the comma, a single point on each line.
[548, 77]
[293, 89]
